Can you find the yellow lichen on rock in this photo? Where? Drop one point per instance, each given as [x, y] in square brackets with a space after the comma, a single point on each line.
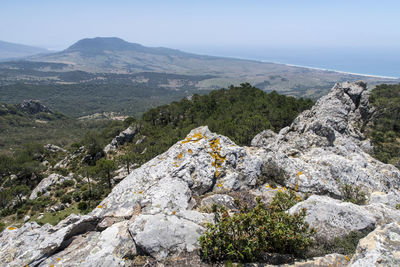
[180, 156]
[215, 154]
[194, 138]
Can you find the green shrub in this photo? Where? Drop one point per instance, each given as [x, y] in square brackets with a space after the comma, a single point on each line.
[68, 183]
[86, 195]
[82, 206]
[398, 206]
[60, 192]
[76, 196]
[66, 198]
[249, 234]
[353, 194]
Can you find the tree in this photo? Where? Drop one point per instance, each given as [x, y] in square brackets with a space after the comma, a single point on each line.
[20, 191]
[104, 169]
[5, 198]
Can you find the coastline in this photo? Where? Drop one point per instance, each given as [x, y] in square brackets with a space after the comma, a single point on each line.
[338, 71]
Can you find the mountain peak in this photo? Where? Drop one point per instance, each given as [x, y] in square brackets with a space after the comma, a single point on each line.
[103, 43]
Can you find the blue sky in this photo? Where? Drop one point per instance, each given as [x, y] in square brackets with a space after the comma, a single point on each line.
[218, 23]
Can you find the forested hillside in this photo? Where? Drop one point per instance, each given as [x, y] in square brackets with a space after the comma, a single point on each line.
[238, 112]
[385, 130]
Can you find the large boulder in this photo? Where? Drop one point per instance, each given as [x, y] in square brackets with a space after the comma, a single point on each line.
[334, 218]
[380, 248]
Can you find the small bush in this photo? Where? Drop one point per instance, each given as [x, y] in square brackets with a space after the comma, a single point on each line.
[66, 199]
[68, 183]
[354, 194]
[246, 236]
[60, 192]
[82, 206]
[76, 196]
[86, 195]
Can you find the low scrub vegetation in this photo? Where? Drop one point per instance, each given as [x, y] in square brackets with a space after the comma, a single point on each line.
[249, 234]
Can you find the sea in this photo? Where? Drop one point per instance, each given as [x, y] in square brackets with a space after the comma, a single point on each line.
[383, 61]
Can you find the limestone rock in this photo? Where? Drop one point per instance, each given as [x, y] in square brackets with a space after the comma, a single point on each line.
[31, 244]
[33, 107]
[201, 163]
[54, 148]
[125, 136]
[112, 247]
[334, 218]
[380, 248]
[219, 200]
[51, 180]
[322, 149]
[263, 139]
[162, 235]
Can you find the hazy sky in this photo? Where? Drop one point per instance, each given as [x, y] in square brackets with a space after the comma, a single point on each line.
[202, 23]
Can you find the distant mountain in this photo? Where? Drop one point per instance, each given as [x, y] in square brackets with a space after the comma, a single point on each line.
[14, 51]
[100, 45]
[114, 55]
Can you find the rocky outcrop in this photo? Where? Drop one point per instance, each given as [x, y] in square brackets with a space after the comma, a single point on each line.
[322, 150]
[54, 149]
[125, 136]
[47, 182]
[31, 244]
[33, 107]
[380, 248]
[160, 209]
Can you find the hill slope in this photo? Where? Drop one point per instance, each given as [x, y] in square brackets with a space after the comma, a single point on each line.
[118, 56]
[12, 50]
[159, 211]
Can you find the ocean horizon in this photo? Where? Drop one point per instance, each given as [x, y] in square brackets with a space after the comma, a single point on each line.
[383, 62]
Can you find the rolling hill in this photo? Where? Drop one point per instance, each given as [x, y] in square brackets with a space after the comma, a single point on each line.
[12, 51]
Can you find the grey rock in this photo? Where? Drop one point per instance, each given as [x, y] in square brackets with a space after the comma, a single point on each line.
[49, 181]
[33, 107]
[334, 218]
[36, 243]
[27, 218]
[54, 148]
[112, 247]
[322, 149]
[65, 161]
[140, 140]
[390, 199]
[379, 248]
[125, 136]
[164, 236]
[263, 139]
[203, 162]
[219, 200]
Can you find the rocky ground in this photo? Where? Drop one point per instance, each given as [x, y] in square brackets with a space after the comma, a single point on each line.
[156, 215]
